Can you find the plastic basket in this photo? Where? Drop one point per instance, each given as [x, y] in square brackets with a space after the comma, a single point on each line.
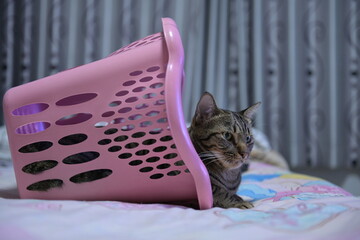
[109, 130]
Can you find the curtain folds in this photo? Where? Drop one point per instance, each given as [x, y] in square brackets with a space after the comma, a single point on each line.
[301, 59]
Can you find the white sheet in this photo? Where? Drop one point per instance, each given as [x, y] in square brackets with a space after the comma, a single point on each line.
[287, 206]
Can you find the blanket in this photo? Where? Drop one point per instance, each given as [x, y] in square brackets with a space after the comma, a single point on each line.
[287, 206]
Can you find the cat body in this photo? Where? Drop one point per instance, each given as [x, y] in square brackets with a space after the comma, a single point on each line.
[223, 140]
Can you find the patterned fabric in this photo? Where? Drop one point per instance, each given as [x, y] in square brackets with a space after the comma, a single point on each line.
[287, 206]
[266, 183]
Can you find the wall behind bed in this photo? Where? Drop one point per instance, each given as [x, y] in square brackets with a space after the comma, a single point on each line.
[300, 58]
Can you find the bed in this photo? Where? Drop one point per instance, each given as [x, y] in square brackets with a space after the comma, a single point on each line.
[287, 206]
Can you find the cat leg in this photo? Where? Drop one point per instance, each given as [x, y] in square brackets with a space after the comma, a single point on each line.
[241, 203]
[225, 199]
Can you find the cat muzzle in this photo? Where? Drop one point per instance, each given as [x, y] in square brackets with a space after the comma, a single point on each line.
[244, 157]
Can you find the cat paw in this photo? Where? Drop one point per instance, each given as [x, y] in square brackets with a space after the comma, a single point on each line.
[244, 205]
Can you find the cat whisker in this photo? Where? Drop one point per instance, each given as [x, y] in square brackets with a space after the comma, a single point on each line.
[212, 161]
[208, 158]
[207, 153]
[216, 157]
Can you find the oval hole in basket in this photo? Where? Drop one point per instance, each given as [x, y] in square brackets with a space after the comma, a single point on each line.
[146, 169]
[125, 155]
[114, 149]
[135, 162]
[82, 157]
[135, 117]
[173, 146]
[127, 127]
[73, 139]
[160, 102]
[161, 75]
[76, 99]
[108, 114]
[146, 124]
[45, 185]
[153, 159]
[170, 156]
[162, 120]
[160, 149]
[152, 113]
[166, 138]
[157, 176]
[73, 119]
[149, 141]
[31, 128]
[140, 44]
[149, 95]
[156, 37]
[129, 83]
[118, 120]
[131, 145]
[138, 134]
[36, 147]
[114, 103]
[121, 138]
[173, 173]
[122, 93]
[111, 131]
[104, 141]
[125, 110]
[146, 38]
[156, 131]
[136, 73]
[90, 176]
[141, 106]
[101, 124]
[179, 163]
[142, 152]
[153, 69]
[139, 89]
[30, 109]
[146, 79]
[131, 99]
[131, 45]
[163, 166]
[156, 85]
[39, 167]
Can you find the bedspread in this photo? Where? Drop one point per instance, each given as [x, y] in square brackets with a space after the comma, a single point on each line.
[287, 206]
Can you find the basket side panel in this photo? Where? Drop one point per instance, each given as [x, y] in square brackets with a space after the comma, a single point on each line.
[101, 130]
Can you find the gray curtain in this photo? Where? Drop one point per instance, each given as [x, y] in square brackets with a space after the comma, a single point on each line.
[300, 58]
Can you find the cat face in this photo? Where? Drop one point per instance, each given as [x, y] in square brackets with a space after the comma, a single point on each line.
[222, 137]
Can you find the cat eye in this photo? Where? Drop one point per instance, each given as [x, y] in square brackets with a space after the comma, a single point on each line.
[248, 139]
[227, 136]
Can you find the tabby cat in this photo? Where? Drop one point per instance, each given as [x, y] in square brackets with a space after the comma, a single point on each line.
[223, 140]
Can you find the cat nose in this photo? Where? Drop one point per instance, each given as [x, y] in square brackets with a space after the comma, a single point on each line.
[244, 155]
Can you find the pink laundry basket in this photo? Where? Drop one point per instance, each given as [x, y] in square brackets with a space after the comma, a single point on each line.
[109, 130]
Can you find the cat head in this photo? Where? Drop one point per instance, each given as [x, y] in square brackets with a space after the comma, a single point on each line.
[221, 137]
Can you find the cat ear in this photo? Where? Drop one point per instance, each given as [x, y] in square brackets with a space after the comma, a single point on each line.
[250, 111]
[206, 108]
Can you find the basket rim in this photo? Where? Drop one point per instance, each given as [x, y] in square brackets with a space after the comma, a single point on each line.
[173, 95]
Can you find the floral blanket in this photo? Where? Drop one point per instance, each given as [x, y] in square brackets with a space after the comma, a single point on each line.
[287, 206]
